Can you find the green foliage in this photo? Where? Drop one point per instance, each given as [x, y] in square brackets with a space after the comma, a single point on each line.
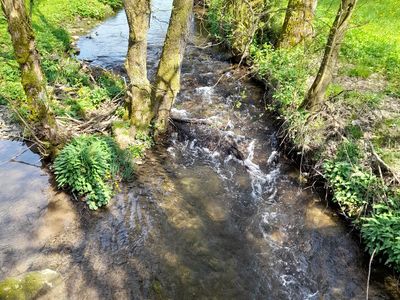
[91, 9]
[373, 43]
[362, 99]
[233, 22]
[371, 47]
[381, 231]
[142, 142]
[286, 69]
[349, 152]
[115, 4]
[50, 21]
[354, 131]
[353, 188]
[112, 84]
[89, 165]
[360, 71]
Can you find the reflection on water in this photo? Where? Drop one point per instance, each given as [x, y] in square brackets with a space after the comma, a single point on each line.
[214, 213]
[22, 199]
[107, 44]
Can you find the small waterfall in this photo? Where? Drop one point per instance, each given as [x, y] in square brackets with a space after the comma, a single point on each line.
[260, 181]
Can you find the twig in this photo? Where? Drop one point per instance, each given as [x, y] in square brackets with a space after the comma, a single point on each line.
[15, 156]
[369, 272]
[39, 143]
[383, 164]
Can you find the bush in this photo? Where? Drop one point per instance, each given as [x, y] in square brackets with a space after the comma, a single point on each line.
[354, 187]
[89, 165]
[91, 9]
[286, 69]
[115, 4]
[381, 232]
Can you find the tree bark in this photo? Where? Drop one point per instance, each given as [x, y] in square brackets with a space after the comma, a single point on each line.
[167, 83]
[139, 92]
[27, 56]
[32, 78]
[316, 93]
[297, 26]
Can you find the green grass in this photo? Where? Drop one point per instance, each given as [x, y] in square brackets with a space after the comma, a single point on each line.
[372, 45]
[51, 20]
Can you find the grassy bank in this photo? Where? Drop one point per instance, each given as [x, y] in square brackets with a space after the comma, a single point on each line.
[55, 23]
[90, 166]
[354, 142]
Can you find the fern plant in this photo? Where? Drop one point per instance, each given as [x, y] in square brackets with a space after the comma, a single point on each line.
[89, 165]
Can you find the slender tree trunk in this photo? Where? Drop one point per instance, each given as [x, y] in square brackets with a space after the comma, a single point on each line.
[167, 83]
[32, 78]
[317, 91]
[139, 93]
[27, 56]
[297, 26]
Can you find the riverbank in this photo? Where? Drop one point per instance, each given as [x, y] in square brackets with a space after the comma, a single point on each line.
[197, 222]
[353, 143]
[74, 89]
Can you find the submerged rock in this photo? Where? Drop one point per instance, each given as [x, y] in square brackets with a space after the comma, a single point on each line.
[30, 285]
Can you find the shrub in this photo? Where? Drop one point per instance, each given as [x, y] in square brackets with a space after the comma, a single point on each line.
[354, 188]
[381, 232]
[287, 70]
[115, 4]
[88, 165]
[91, 9]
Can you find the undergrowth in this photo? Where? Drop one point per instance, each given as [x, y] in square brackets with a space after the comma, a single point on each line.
[91, 166]
[336, 141]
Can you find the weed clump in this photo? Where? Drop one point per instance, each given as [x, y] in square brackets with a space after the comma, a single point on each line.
[91, 166]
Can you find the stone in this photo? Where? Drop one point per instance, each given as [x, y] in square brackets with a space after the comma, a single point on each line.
[30, 285]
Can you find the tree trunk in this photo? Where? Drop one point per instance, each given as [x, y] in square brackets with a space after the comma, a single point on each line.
[27, 56]
[32, 78]
[317, 91]
[297, 26]
[139, 92]
[167, 83]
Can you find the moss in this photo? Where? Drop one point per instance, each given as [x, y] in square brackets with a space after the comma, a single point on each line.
[11, 289]
[28, 287]
[157, 288]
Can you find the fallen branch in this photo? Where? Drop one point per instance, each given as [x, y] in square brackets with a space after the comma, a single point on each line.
[382, 163]
[191, 121]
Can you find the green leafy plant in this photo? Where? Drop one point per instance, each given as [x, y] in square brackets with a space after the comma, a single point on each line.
[381, 232]
[354, 188]
[142, 142]
[286, 70]
[88, 165]
[115, 4]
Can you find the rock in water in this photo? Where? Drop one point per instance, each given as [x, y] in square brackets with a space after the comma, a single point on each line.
[30, 285]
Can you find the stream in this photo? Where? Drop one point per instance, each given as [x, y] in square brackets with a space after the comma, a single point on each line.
[201, 219]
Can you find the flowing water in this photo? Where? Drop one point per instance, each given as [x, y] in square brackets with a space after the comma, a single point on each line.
[215, 212]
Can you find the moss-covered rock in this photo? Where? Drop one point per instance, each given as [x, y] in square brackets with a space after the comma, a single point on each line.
[30, 285]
